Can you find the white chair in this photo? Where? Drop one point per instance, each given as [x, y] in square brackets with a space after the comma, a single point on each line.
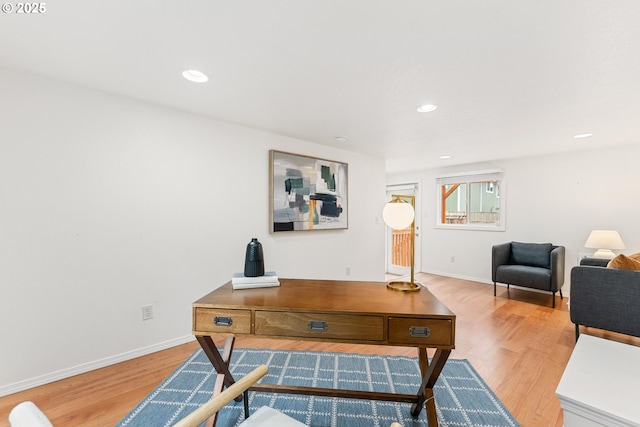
[263, 417]
[27, 414]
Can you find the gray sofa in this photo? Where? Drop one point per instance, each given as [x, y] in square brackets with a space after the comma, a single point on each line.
[605, 298]
[531, 265]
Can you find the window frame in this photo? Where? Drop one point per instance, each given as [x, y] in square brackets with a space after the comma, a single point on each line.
[469, 178]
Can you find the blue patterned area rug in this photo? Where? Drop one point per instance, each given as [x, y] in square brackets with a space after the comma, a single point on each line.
[462, 397]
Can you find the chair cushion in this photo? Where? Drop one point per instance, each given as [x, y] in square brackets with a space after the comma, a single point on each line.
[269, 417]
[525, 275]
[534, 254]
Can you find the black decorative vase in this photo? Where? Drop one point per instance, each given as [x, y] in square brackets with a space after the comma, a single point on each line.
[254, 259]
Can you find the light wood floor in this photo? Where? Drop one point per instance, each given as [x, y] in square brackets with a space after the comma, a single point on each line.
[516, 341]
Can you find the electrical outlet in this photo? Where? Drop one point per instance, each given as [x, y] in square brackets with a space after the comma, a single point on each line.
[348, 271]
[147, 312]
[453, 259]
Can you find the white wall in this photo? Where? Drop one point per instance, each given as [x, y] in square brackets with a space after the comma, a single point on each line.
[107, 204]
[558, 198]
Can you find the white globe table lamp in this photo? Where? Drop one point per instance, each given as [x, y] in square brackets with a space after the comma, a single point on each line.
[398, 214]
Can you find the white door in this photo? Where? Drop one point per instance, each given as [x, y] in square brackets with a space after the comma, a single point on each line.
[398, 256]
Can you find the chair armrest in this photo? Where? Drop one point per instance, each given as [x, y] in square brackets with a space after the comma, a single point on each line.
[205, 411]
[27, 414]
[557, 267]
[500, 255]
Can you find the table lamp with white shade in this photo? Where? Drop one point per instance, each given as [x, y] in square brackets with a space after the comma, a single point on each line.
[604, 241]
[398, 214]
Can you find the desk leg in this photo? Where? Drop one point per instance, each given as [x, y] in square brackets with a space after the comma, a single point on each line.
[221, 364]
[430, 373]
[217, 360]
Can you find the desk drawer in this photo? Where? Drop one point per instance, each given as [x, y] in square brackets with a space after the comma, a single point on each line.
[320, 325]
[406, 330]
[222, 320]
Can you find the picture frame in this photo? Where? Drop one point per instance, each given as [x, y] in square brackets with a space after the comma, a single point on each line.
[307, 193]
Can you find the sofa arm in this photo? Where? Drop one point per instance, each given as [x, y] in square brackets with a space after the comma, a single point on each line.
[500, 255]
[606, 298]
[595, 262]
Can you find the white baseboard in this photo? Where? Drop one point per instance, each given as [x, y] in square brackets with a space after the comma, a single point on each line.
[90, 366]
[459, 276]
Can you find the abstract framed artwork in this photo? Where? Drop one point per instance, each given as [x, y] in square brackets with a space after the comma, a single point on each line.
[307, 193]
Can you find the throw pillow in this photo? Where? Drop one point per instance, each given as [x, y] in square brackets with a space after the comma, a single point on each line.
[533, 254]
[631, 262]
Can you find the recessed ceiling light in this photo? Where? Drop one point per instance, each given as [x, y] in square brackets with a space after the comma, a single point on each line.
[341, 139]
[427, 108]
[195, 76]
[446, 156]
[582, 135]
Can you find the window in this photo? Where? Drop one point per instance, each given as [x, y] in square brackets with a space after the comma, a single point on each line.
[473, 200]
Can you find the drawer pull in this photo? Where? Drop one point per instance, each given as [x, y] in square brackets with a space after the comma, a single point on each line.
[318, 325]
[419, 331]
[223, 320]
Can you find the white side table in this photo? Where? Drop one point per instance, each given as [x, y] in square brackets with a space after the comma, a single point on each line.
[600, 386]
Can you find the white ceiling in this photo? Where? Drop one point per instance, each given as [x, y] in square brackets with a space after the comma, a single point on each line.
[510, 78]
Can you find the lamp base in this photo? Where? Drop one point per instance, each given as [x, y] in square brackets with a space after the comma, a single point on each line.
[403, 286]
[604, 253]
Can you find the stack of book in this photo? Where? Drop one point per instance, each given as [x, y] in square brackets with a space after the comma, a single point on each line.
[240, 281]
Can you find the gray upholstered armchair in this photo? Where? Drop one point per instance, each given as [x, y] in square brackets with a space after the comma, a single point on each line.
[531, 265]
[605, 298]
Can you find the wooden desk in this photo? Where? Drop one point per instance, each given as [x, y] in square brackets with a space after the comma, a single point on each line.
[330, 311]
